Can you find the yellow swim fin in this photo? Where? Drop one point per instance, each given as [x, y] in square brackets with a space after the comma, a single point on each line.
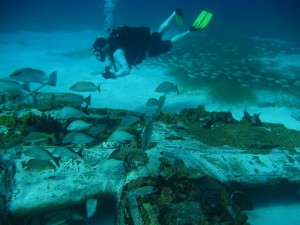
[201, 21]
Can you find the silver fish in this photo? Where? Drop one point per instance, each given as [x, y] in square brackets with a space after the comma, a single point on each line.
[78, 125]
[91, 206]
[113, 166]
[145, 190]
[34, 137]
[38, 164]
[168, 154]
[96, 130]
[167, 87]
[152, 102]
[43, 98]
[67, 113]
[121, 136]
[77, 138]
[60, 217]
[161, 102]
[146, 138]
[30, 75]
[83, 86]
[296, 116]
[67, 152]
[8, 85]
[71, 98]
[129, 120]
[37, 152]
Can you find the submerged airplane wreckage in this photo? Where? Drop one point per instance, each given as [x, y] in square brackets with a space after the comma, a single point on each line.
[67, 166]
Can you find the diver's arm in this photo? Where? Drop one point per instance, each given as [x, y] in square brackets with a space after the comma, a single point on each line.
[106, 74]
[108, 66]
[120, 60]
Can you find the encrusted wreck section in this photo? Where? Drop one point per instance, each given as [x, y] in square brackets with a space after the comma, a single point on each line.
[190, 160]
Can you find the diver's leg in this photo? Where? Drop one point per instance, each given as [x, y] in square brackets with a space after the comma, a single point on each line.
[177, 15]
[201, 21]
[165, 25]
[178, 37]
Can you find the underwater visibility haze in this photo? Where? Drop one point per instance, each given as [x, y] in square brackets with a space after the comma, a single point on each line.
[206, 133]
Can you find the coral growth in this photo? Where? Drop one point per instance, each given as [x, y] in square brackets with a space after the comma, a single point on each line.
[183, 197]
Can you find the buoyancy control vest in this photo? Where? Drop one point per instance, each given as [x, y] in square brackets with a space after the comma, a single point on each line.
[133, 40]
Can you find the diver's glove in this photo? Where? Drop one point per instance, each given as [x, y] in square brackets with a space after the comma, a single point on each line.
[106, 74]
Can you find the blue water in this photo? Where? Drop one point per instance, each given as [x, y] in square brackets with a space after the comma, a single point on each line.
[234, 25]
[276, 18]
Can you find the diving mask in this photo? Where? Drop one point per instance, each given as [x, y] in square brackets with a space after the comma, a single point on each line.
[100, 55]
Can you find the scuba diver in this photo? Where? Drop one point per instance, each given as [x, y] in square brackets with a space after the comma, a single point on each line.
[129, 46]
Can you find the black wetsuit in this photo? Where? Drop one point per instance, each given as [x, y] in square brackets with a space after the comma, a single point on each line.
[138, 43]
